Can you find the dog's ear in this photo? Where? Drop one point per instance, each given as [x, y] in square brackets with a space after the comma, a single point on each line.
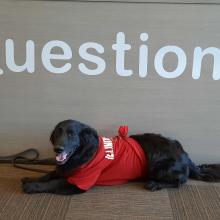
[52, 137]
[89, 138]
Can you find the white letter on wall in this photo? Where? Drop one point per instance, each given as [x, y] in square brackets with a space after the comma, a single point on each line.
[47, 56]
[120, 47]
[10, 57]
[143, 56]
[197, 62]
[181, 65]
[92, 58]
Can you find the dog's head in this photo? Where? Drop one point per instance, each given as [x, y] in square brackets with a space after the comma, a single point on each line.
[72, 138]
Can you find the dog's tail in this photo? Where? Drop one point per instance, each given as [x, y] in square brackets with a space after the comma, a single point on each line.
[204, 172]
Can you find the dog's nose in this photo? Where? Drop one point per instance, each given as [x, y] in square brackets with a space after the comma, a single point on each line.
[58, 149]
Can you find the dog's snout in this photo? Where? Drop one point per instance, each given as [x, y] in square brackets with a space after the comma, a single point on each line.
[59, 149]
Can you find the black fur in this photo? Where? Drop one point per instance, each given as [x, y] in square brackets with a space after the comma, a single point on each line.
[169, 164]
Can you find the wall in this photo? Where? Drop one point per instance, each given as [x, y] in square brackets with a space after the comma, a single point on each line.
[183, 108]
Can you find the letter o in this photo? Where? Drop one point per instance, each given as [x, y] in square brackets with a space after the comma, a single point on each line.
[158, 62]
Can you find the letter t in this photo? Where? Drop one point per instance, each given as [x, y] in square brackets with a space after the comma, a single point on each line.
[120, 47]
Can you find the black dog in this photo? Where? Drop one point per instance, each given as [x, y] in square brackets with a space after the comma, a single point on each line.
[76, 144]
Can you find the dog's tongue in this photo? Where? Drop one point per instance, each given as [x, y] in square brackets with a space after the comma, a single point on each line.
[61, 157]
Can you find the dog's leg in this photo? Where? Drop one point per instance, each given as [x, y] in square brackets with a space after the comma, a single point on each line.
[56, 186]
[49, 176]
[154, 185]
[168, 174]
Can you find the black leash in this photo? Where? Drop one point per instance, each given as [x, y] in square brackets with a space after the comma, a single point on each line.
[29, 156]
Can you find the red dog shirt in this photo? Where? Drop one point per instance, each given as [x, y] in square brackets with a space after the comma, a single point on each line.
[117, 161]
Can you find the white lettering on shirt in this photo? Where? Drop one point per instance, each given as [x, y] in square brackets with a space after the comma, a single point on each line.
[108, 146]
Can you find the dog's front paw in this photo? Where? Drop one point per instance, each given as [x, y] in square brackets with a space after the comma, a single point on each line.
[27, 180]
[152, 186]
[31, 187]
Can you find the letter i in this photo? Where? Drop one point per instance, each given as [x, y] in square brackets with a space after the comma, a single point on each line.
[143, 56]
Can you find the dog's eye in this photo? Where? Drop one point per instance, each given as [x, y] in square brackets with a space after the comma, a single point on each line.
[70, 133]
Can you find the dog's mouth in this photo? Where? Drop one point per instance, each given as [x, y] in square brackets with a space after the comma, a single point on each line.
[61, 158]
